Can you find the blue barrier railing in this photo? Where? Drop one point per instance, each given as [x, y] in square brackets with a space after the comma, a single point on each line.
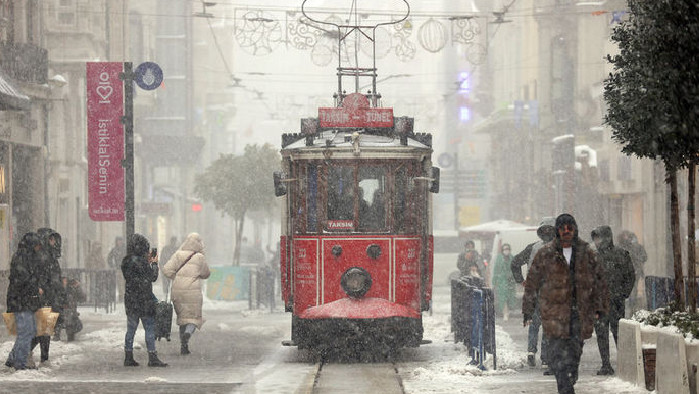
[660, 291]
[477, 354]
[473, 318]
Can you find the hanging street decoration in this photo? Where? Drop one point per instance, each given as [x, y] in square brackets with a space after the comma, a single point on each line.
[261, 32]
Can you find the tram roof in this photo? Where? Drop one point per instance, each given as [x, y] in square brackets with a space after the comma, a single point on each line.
[343, 139]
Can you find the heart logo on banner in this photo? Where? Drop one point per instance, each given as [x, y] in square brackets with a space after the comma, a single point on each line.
[104, 91]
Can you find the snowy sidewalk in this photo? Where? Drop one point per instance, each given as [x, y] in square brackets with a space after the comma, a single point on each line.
[443, 366]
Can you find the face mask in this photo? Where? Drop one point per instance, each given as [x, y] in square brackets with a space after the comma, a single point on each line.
[506, 252]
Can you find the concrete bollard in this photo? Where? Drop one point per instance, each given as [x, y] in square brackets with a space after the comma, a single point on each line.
[629, 356]
[671, 375]
[692, 365]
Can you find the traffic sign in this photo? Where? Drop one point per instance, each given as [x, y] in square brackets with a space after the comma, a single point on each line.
[148, 76]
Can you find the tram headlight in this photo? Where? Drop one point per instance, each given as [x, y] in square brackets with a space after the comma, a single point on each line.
[356, 282]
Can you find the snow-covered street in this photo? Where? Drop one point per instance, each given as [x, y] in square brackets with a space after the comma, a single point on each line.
[239, 350]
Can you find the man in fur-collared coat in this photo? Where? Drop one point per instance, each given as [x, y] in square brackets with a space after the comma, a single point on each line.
[572, 294]
[187, 268]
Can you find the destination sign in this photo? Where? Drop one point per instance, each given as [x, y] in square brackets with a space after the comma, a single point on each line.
[355, 112]
[339, 225]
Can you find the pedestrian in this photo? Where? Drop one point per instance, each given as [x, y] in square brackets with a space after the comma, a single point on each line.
[469, 261]
[165, 255]
[572, 293]
[95, 259]
[504, 283]
[49, 276]
[23, 294]
[188, 268]
[71, 316]
[619, 275]
[546, 233]
[629, 242]
[140, 270]
[247, 253]
[114, 259]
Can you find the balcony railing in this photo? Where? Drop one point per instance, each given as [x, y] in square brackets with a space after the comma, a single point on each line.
[24, 62]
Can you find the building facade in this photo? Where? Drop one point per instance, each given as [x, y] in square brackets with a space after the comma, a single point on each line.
[550, 151]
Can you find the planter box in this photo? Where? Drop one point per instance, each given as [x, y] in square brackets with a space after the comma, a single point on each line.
[656, 359]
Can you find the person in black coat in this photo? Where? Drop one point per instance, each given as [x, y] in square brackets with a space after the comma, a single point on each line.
[23, 297]
[70, 315]
[619, 275]
[628, 241]
[470, 262]
[49, 276]
[140, 270]
[546, 233]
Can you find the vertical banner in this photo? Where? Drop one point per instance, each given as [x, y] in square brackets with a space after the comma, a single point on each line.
[105, 141]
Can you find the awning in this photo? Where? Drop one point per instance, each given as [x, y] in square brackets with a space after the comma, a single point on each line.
[497, 122]
[488, 230]
[11, 99]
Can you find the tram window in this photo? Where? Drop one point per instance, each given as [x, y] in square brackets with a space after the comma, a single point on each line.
[340, 193]
[311, 198]
[399, 205]
[372, 202]
[297, 202]
[404, 202]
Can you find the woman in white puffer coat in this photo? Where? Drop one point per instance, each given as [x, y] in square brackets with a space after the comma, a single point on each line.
[187, 269]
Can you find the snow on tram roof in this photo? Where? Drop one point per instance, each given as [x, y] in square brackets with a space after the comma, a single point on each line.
[343, 139]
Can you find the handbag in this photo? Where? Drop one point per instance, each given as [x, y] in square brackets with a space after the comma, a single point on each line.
[9, 319]
[44, 317]
[45, 321]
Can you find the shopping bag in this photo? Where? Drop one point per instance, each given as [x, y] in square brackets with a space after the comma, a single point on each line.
[9, 318]
[45, 321]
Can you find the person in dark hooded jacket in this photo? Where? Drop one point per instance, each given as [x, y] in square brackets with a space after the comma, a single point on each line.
[619, 275]
[628, 241]
[571, 292]
[140, 270]
[546, 233]
[23, 297]
[50, 281]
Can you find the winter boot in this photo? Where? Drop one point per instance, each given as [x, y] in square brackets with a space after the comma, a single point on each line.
[184, 340]
[128, 359]
[531, 359]
[30, 361]
[606, 370]
[153, 360]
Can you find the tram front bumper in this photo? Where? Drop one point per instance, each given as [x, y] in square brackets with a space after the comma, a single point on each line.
[353, 322]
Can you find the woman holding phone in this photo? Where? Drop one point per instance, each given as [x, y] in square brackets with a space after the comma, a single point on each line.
[140, 270]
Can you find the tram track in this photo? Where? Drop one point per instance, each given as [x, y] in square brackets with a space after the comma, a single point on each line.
[356, 376]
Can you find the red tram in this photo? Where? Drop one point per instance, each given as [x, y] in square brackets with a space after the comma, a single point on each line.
[356, 243]
[356, 238]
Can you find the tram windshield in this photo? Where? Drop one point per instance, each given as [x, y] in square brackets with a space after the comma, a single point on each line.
[372, 203]
[353, 197]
